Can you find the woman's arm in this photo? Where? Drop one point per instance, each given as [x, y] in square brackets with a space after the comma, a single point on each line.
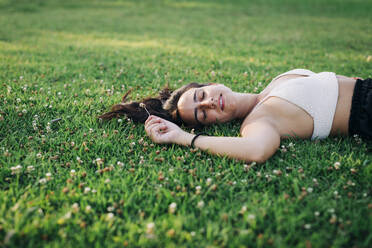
[259, 142]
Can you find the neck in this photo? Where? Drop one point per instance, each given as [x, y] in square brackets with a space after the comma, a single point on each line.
[245, 102]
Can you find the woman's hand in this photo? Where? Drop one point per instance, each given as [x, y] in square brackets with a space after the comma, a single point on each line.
[162, 131]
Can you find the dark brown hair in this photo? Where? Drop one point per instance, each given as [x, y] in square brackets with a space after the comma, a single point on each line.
[164, 106]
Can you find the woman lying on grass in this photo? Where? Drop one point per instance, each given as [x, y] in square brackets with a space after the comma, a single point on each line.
[298, 103]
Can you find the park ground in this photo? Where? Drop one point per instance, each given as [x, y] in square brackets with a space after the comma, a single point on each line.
[79, 182]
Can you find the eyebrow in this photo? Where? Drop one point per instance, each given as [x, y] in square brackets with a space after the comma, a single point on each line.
[196, 111]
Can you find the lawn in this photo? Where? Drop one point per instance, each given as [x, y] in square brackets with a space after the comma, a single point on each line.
[70, 180]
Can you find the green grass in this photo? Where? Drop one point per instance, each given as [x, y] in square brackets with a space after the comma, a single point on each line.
[74, 59]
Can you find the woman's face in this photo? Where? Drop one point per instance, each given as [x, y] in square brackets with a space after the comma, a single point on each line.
[207, 105]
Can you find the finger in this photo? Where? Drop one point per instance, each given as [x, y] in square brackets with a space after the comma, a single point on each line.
[164, 129]
[156, 132]
[152, 121]
[150, 126]
[157, 127]
[149, 118]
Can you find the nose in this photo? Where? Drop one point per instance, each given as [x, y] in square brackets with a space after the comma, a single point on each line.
[208, 103]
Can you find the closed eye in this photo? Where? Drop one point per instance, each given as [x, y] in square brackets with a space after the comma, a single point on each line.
[204, 114]
[201, 95]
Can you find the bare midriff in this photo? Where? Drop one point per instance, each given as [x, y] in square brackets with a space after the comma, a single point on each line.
[342, 114]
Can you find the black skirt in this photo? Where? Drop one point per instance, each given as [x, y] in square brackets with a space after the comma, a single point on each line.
[360, 121]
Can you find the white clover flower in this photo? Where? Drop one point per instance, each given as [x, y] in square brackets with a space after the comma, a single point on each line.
[198, 188]
[67, 215]
[72, 173]
[94, 191]
[121, 164]
[120, 120]
[98, 161]
[200, 204]
[316, 213]
[48, 128]
[192, 233]
[172, 207]
[150, 228]
[88, 209]
[38, 155]
[34, 125]
[18, 100]
[243, 210]
[16, 169]
[42, 181]
[310, 190]
[209, 181]
[107, 180]
[87, 190]
[24, 111]
[75, 207]
[48, 176]
[30, 168]
[251, 217]
[110, 209]
[337, 165]
[307, 226]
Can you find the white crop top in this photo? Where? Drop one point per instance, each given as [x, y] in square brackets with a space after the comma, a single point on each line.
[317, 94]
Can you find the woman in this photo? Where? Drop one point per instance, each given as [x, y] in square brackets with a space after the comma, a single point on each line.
[298, 103]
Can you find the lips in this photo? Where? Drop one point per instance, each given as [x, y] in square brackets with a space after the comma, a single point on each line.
[222, 104]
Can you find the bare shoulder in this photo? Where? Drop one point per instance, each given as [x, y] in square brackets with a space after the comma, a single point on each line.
[288, 119]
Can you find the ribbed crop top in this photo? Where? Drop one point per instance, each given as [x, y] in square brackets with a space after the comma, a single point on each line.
[317, 94]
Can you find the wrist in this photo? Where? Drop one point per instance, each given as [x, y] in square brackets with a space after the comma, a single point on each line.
[185, 139]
